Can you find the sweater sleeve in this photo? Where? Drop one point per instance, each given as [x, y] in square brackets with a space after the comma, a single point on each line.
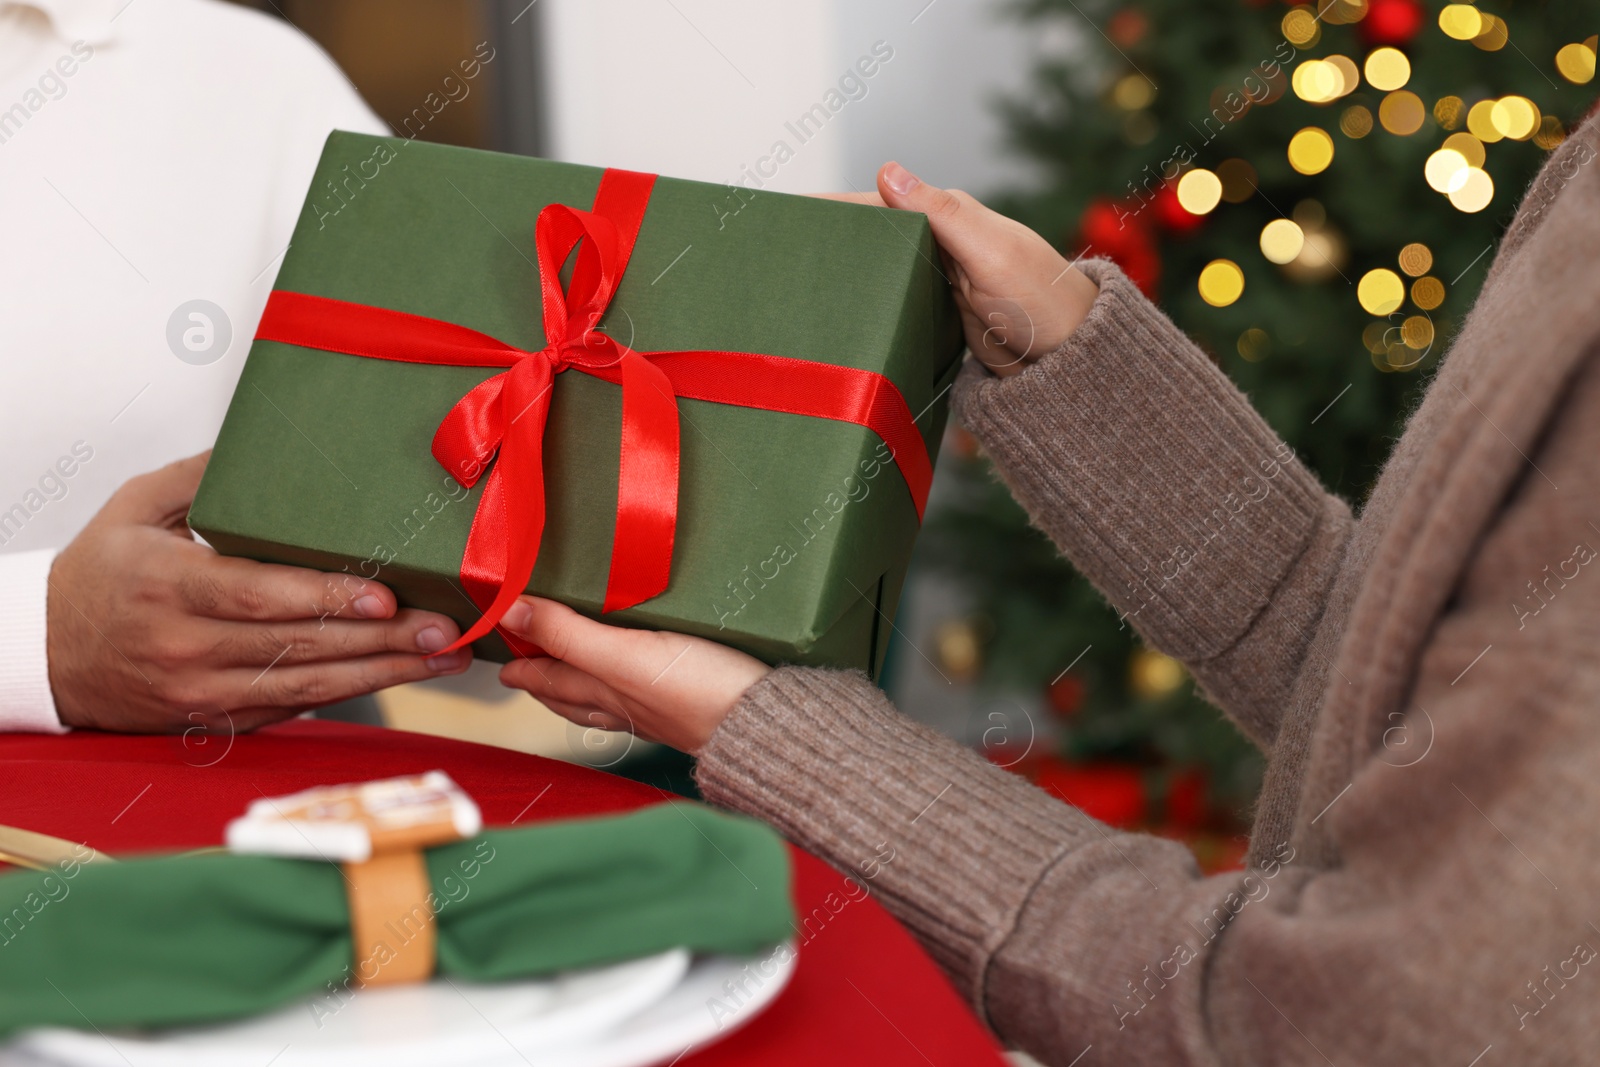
[26, 704]
[1040, 915]
[1156, 477]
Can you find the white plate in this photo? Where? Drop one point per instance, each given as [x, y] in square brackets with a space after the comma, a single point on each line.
[630, 1015]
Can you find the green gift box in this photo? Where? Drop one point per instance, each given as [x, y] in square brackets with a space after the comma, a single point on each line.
[793, 531]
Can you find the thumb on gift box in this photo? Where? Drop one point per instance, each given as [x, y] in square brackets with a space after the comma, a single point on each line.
[1019, 298]
[963, 227]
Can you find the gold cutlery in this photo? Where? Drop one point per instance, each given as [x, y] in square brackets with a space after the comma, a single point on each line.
[41, 852]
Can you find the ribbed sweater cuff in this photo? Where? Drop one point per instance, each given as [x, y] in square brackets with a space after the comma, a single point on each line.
[1150, 469]
[26, 703]
[825, 758]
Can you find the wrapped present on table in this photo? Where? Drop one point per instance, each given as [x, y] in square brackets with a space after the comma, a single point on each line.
[757, 479]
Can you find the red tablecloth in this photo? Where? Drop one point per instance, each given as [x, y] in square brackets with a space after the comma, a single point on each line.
[864, 992]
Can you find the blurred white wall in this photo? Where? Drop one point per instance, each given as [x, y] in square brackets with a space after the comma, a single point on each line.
[709, 88]
[936, 115]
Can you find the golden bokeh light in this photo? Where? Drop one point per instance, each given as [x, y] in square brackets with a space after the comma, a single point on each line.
[1448, 111]
[1152, 674]
[1381, 291]
[1480, 121]
[1352, 73]
[1221, 283]
[1515, 117]
[1134, 92]
[1494, 35]
[1356, 122]
[1472, 190]
[1375, 336]
[1551, 133]
[1427, 293]
[1417, 332]
[1199, 191]
[1388, 69]
[1441, 171]
[1301, 28]
[1416, 259]
[1311, 150]
[1469, 146]
[1461, 21]
[1321, 258]
[1238, 180]
[1402, 113]
[1317, 81]
[1255, 344]
[1343, 12]
[1282, 241]
[1394, 356]
[959, 648]
[1399, 354]
[1576, 64]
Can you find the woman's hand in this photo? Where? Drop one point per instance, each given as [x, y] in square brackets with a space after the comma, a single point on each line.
[661, 686]
[1019, 298]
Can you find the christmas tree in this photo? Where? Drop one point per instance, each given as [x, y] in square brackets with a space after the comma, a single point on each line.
[1313, 193]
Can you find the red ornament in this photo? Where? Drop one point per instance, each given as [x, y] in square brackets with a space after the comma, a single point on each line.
[1127, 27]
[1107, 225]
[1392, 22]
[1123, 231]
[1173, 215]
[1109, 792]
[1066, 694]
[1186, 799]
[1143, 268]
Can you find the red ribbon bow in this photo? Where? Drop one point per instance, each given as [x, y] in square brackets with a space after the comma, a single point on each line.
[507, 413]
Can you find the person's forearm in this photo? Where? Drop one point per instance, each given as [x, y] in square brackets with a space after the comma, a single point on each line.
[1037, 912]
[948, 842]
[1154, 475]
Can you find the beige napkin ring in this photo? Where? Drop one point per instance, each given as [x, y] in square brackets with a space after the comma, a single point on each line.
[376, 831]
[392, 937]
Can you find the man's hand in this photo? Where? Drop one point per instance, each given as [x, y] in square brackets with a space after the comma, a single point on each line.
[1019, 298]
[661, 686]
[151, 632]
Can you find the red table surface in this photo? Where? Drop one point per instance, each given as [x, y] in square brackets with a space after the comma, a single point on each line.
[864, 991]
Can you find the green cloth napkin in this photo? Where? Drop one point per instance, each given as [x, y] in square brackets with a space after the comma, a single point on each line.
[189, 939]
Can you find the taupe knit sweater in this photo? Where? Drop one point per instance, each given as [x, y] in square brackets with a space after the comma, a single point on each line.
[1425, 864]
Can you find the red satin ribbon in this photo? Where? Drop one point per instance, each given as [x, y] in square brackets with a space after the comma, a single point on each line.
[507, 413]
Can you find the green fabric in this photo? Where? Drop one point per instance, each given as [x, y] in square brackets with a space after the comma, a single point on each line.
[188, 939]
[793, 536]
